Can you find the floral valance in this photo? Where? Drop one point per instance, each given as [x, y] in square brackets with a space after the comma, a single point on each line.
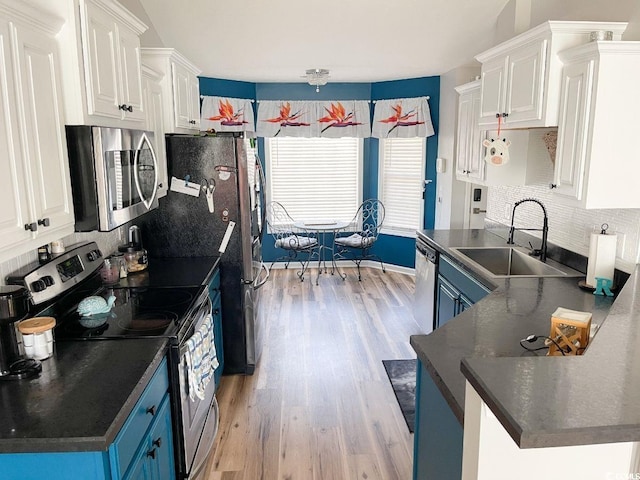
[402, 118]
[224, 114]
[331, 119]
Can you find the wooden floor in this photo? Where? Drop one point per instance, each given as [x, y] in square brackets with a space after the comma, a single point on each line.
[320, 405]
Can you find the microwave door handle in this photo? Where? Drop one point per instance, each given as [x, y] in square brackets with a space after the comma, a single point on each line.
[143, 139]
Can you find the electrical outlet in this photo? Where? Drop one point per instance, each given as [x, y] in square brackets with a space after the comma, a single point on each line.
[507, 211]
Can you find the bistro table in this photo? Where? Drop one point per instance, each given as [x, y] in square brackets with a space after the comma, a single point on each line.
[321, 228]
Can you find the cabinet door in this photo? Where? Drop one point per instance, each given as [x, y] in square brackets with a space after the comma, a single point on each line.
[447, 306]
[475, 165]
[194, 99]
[141, 468]
[181, 97]
[130, 74]
[492, 91]
[13, 197]
[525, 85]
[44, 135]
[463, 303]
[160, 445]
[100, 50]
[155, 124]
[572, 134]
[463, 135]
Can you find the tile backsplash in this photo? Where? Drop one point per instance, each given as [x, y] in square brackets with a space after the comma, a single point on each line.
[569, 227]
[107, 242]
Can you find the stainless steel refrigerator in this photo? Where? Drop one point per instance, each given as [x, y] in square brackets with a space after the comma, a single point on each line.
[184, 226]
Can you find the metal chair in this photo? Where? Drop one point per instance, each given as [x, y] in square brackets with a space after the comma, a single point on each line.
[367, 224]
[293, 240]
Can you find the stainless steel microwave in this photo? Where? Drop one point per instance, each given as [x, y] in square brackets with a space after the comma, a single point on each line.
[114, 175]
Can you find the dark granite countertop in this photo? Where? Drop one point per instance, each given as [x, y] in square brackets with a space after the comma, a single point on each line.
[540, 400]
[83, 396]
[173, 272]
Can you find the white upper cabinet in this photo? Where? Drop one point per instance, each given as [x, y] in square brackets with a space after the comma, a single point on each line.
[180, 87]
[597, 163]
[35, 189]
[520, 78]
[154, 102]
[102, 76]
[469, 164]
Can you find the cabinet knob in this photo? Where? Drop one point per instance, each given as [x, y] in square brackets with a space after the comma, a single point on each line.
[553, 185]
[44, 222]
[157, 442]
[151, 410]
[31, 226]
[152, 453]
[505, 115]
[160, 185]
[125, 107]
[192, 122]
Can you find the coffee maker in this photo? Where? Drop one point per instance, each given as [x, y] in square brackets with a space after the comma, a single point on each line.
[14, 306]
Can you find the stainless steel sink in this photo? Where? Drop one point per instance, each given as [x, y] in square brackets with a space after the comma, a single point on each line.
[502, 262]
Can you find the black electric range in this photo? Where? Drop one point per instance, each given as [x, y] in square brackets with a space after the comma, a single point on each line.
[138, 312]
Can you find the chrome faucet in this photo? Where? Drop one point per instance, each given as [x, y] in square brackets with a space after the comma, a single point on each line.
[542, 253]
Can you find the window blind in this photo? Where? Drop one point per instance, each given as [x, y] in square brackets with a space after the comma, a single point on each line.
[401, 175]
[316, 179]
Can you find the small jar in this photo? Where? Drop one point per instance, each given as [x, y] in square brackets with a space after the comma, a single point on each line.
[37, 337]
[110, 271]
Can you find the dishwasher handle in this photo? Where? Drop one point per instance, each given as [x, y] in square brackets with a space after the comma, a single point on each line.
[428, 252]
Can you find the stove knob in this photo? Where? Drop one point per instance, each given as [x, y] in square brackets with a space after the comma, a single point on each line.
[94, 255]
[38, 285]
[48, 280]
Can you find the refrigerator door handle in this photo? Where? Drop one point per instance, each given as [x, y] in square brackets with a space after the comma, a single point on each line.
[258, 284]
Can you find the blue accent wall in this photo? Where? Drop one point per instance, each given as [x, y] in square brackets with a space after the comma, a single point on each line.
[391, 249]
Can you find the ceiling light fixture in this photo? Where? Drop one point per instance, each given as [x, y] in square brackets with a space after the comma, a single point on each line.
[317, 77]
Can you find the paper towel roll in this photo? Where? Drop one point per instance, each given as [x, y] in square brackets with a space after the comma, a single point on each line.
[602, 257]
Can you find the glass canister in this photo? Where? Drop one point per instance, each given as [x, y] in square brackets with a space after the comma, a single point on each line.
[37, 336]
[136, 259]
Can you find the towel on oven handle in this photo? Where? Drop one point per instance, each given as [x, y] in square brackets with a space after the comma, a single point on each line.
[201, 359]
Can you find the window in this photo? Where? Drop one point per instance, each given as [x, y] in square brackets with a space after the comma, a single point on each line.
[315, 179]
[400, 183]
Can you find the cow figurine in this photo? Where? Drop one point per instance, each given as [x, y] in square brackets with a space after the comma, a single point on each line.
[497, 151]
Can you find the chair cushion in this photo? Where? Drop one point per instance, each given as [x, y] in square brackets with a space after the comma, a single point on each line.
[355, 241]
[296, 242]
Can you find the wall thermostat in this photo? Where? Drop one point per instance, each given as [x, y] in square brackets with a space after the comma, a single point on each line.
[441, 165]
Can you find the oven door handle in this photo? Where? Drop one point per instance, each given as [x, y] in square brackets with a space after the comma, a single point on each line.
[202, 313]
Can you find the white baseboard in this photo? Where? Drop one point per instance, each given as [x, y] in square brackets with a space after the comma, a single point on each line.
[367, 263]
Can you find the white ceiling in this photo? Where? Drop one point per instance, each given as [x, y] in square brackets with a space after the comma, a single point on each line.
[357, 40]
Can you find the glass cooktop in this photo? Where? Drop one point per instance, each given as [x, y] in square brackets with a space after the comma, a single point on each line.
[137, 312]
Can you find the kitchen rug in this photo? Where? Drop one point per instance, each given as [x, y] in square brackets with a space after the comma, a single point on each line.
[402, 375]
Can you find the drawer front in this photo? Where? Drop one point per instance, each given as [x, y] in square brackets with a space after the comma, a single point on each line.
[463, 281]
[136, 426]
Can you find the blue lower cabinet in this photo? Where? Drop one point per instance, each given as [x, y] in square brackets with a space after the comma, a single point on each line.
[437, 449]
[55, 466]
[154, 458]
[147, 429]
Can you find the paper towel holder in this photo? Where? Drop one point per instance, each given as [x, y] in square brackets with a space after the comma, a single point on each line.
[583, 284]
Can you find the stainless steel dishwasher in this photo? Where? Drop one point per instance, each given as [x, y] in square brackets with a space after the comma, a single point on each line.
[425, 292]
